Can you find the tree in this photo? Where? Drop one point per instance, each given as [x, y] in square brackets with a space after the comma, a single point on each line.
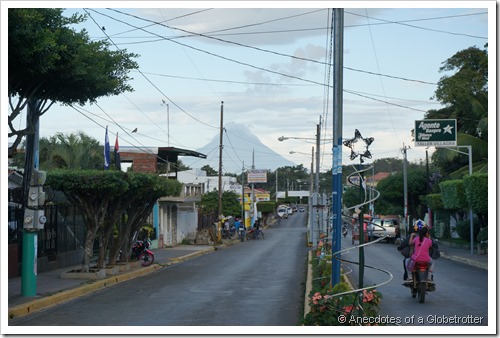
[92, 192]
[138, 201]
[70, 151]
[465, 94]
[230, 205]
[392, 188]
[210, 171]
[50, 62]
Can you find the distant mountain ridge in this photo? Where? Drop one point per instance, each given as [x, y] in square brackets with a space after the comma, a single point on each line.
[239, 146]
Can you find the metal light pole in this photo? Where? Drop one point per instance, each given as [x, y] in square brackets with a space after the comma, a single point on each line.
[337, 140]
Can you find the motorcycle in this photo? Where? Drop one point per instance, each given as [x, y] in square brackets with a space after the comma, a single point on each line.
[254, 233]
[241, 233]
[420, 283]
[344, 230]
[141, 252]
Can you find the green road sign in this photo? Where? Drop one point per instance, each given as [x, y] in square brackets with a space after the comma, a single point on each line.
[436, 133]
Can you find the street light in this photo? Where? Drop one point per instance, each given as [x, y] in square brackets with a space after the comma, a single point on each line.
[283, 138]
[298, 152]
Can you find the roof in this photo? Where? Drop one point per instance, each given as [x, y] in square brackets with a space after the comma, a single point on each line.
[168, 153]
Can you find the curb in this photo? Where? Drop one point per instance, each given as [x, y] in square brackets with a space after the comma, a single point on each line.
[67, 295]
[307, 307]
[464, 260]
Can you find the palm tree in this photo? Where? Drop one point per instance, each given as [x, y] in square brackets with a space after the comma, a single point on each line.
[71, 151]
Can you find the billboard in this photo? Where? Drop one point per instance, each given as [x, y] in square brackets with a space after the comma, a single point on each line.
[437, 133]
[257, 176]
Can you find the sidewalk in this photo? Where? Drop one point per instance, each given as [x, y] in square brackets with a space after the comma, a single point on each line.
[463, 255]
[52, 289]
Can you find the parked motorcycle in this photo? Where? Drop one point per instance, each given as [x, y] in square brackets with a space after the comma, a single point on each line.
[141, 252]
[420, 283]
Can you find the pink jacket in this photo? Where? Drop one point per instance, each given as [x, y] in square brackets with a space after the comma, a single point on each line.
[421, 250]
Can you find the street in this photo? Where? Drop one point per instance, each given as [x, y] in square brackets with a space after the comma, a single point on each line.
[254, 283]
[461, 290]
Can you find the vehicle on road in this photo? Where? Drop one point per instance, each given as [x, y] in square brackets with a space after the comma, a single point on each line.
[301, 209]
[420, 283]
[378, 228]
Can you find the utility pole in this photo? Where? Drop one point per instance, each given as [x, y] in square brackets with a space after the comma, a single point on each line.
[316, 186]
[220, 166]
[405, 192]
[311, 198]
[168, 122]
[33, 200]
[243, 194]
[338, 63]
[252, 210]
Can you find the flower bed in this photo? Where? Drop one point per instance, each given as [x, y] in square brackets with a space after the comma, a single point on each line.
[339, 305]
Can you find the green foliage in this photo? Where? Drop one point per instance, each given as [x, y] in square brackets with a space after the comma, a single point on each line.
[230, 205]
[453, 195]
[434, 201]
[463, 229]
[70, 151]
[102, 196]
[210, 171]
[266, 206]
[464, 93]
[51, 62]
[482, 236]
[476, 191]
[88, 186]
[392, 192]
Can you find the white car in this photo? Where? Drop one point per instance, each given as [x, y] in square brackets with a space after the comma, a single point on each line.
[379, 227]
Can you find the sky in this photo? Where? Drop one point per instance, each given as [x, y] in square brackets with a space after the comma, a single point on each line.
[268, 64]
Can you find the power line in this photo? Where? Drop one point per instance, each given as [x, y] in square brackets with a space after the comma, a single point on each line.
[402, 23]
[147, 79]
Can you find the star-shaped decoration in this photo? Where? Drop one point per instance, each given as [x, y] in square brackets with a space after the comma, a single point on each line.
[447, 129]
[351, 144]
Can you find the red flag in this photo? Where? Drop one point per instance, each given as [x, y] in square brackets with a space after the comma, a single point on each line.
[117, 154]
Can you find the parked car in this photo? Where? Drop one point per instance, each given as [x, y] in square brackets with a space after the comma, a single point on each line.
[390, 225]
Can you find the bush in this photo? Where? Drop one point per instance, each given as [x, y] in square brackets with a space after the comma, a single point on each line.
[483, 234]
[463, 229]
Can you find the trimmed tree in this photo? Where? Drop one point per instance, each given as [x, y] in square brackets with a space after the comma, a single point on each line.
[92, 192]
[138, 201]
[476, 193]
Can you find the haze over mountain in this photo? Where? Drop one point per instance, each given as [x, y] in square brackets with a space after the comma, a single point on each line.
[238, 146]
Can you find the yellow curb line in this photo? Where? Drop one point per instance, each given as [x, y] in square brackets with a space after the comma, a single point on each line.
[67, 295]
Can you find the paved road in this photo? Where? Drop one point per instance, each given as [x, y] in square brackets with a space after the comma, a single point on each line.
[255, 283]
[461, 290]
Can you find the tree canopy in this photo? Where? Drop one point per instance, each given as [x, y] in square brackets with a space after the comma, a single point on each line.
[464, 92]
[51, 62]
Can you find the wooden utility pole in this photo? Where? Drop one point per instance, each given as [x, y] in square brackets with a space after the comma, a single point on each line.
[220, 158]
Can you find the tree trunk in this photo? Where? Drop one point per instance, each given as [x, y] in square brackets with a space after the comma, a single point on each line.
[89, 245]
